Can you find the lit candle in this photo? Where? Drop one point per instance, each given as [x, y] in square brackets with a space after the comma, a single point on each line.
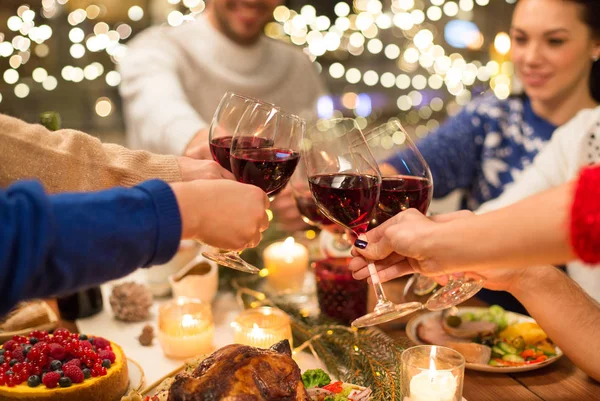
[262, 327]
[185, 328]
[286, 263]
[432, 373]
[433, 385]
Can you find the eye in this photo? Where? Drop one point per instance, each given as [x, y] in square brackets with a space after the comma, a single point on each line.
[556, 42]
[519, 39]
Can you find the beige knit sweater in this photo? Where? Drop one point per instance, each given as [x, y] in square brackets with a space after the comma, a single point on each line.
[69, 160]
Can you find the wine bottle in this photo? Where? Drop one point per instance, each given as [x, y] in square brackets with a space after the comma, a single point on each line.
[86, 302]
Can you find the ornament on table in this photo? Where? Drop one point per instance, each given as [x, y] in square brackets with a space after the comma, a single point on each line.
[147, 335]
[131, 302]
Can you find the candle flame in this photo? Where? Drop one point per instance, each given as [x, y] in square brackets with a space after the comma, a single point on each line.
[289, 241]
[432, 369]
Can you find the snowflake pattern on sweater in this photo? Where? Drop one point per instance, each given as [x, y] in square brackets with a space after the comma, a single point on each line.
[483, 148]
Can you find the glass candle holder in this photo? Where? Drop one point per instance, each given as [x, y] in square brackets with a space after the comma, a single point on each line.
[432, 373]
[262, 327]
[286, 263]
[185, 328]
[340, 296]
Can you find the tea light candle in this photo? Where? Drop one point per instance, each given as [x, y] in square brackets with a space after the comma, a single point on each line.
[432, 373]
[286, 263]
[185, 328]
[262, 327]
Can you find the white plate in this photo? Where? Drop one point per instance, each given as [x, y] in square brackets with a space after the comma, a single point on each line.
[411, 332]
[136, 375]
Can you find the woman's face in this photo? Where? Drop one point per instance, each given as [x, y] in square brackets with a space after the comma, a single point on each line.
[552, 48]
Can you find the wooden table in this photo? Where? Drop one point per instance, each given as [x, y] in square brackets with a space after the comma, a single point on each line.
[561, 381]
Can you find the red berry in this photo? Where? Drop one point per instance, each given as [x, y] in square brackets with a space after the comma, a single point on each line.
[102, 371]
[9, 345]
[95, 373]
[7, 356]
[106, 354]
[73, 373]
[101, 343]
[43, 346]
[85, 344]
[10, 381]
[2, 380]
[18, 353]
[36, 370]
[33, 354]
[62, 333]
[74, 362]
[51, 379]
[58, 352]
[20, 339]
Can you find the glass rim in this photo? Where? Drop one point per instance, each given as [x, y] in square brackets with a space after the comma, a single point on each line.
[447, 350]
[263, 103]
[245, 314]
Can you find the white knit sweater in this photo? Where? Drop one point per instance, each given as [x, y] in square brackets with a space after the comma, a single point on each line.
[174, 78]
[574, 145]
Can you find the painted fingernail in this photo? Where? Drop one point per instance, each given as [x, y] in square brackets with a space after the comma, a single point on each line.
[359, 243]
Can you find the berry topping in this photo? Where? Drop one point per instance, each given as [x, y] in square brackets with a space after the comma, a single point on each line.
[106, 354]
[33, 340]
[9, 345]
[55, 364]
[51, 379]
[86, 344]
[74, 373]
[74, 362]
[34, 381]
[64, 382]
[57, 351]
[1, 359]
[13, 362]
[106, 363]
[18, 353]
[83, 337]
[101, 343]
[60, 372]
[87, 373]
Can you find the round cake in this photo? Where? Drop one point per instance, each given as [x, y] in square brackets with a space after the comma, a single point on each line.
[60, 367]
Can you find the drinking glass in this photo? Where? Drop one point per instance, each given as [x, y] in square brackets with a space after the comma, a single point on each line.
[264, 151]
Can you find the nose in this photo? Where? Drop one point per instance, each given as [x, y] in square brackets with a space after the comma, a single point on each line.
[533, 54]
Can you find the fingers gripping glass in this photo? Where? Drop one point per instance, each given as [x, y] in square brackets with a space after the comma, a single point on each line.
[263, 151]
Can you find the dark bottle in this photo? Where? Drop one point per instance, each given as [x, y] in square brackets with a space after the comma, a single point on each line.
[86, 302]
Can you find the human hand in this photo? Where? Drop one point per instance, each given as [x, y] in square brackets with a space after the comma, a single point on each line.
[407, 243]
[193, 169]
[286, 212]
[222, 213]
[198, 147]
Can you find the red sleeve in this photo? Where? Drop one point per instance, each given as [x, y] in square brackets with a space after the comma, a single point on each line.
[585, 216]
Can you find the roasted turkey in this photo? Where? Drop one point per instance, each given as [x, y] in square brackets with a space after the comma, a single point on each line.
[242, 373]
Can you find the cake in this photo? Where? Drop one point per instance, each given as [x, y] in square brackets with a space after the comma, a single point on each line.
[63, 366]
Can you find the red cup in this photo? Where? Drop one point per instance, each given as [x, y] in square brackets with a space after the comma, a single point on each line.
[341, 297]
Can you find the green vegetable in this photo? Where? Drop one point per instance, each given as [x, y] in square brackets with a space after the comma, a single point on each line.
[496, 311]
[343, 396]
[519, 343]
[513, 358]
[494, 362]
[507, 348]
[468, 316]
[453, 321]
[315, 378]
[497, 351]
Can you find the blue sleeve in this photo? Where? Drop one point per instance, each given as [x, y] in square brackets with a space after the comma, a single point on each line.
[55, 244]
[451, 153]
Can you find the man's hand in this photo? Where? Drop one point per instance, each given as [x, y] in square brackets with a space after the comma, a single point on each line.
[193, 169]
[198, 147]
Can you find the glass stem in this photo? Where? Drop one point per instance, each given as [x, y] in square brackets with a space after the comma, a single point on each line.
[381, 298]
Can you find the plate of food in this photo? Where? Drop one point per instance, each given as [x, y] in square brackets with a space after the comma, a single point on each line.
[240, 370]
[26, 317]
[491, 339]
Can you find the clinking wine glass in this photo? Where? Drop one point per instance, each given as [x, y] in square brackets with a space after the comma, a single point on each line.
[264, 152]
[345, 182]
[310, 212]
[406, 185]
[409, 185]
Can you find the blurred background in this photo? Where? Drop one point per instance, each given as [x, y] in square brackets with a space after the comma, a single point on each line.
[416, 60]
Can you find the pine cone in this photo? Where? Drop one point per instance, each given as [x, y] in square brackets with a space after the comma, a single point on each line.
[131, 302]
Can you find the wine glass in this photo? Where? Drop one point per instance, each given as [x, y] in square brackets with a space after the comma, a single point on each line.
[407, 185]
[224, 123]
[264, 152]
[345, 182]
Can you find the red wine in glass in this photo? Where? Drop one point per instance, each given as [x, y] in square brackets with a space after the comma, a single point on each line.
[400, 193]
[220, 147]
[311, 213]
[349, 199]
[269, 169]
